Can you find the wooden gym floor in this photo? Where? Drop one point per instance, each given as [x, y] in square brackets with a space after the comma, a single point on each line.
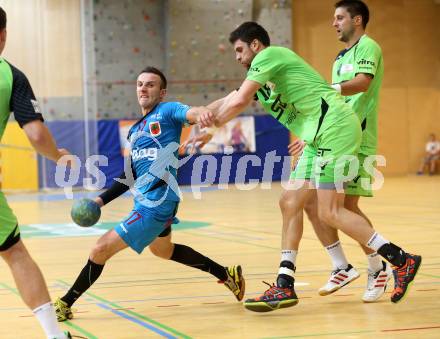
[141, 296]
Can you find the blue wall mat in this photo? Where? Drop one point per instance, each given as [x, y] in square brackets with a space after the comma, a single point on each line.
[69, 135]
[109, 145]
[270, 136]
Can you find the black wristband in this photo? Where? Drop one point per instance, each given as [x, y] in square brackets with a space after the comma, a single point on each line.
[115, 190]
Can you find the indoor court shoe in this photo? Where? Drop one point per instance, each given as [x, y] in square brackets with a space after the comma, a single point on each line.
[63, 311]
[338, 279]
[403, 276]
[235, 281]
[377, 283]
[274, 298]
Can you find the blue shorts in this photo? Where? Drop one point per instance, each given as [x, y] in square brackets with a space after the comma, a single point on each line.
[143, 225]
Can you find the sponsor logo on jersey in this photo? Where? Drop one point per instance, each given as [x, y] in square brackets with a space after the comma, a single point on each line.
[158, 115]
[144, 153]
[254, 69]
[36, 106]
[155, 128]
[365, 62]
[321, 151]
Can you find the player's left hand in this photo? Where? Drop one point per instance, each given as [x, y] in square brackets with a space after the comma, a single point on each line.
[296, 147]
[199, 140]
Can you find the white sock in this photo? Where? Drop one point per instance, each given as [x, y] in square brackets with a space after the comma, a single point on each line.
[337, 255]
[48, 321]
[289, 255]
[374, 262]
[377, 241]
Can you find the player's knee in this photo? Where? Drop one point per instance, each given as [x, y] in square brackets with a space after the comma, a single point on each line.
[100, 252]
[17, 252]
[288, 203]
[163, 251]
[328, 215]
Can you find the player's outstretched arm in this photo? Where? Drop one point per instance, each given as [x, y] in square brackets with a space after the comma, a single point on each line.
[235, 103]
[215, 105]
[113, 192]
[120, 185]
[194, 113]
[42, 140]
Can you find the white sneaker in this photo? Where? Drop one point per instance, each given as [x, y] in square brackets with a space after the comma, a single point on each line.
[338, 279]
[377, 283]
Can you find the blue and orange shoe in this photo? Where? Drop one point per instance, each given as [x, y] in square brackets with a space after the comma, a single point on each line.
[403, 276]
[272, 299]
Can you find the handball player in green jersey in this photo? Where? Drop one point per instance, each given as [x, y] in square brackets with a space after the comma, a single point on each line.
[301, 100]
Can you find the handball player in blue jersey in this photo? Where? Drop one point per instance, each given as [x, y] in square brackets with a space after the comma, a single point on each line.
[151, 174]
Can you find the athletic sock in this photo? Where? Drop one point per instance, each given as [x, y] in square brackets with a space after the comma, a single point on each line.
[374, 262]
[287, 269]
[336, 253]
[376, 241]
[46, 316]
[86, 278]
[189, 257]
[392, 253]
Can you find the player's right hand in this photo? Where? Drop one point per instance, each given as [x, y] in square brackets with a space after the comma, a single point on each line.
[296, 147]
[99, 201]
[206, 119]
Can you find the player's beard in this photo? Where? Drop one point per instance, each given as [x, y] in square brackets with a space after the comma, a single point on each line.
[346, 35]
[149, 105]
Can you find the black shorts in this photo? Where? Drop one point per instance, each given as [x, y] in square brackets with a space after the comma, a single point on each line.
[165, 232]
[11, 240]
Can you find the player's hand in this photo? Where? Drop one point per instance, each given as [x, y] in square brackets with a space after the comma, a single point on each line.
[199, 140]
[296, 147]
[99, 201]
[206, 119]
[65, 158]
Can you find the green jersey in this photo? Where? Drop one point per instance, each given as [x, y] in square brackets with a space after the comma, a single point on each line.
[295, 94]
[16, 96]
[363, 57]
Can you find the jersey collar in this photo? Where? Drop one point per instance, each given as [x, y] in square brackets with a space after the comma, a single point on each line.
[342, 53]
[146, 116]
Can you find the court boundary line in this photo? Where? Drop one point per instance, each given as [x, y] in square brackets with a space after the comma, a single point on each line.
[134, 314]
[137, 321]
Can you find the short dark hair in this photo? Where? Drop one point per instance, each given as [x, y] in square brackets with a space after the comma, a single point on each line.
[154, 70]
[2, 19]
[248, 32]
[355, 7]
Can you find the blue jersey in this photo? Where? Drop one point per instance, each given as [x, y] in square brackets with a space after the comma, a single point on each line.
[154, 144]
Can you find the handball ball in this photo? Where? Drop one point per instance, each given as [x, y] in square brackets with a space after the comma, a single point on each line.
[85, 212]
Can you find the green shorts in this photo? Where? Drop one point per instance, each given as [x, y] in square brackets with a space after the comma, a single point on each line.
[361, 184]
[9, 232]
[331, 161]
